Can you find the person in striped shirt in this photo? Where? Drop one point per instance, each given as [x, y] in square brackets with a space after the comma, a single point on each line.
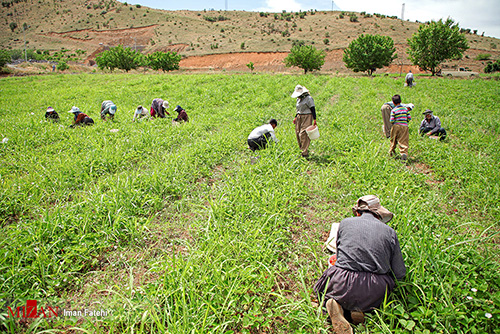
[400, 117]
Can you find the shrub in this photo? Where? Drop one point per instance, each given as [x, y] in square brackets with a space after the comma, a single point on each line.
[13, 26]
[353, 17]
[62, 66]
[4, 57]
[483, 56]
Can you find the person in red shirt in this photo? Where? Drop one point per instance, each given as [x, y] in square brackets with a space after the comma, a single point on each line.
[80, 117]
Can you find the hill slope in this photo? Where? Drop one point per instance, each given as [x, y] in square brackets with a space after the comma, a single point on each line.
[93, 25]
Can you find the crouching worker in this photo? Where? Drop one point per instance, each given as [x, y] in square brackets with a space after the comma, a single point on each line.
[108, 108]
[140, 112]
[182, 116]
[51, 115]
[369, 260]
[261, 135]
[80, 118]
[159, 108]
[431, 126]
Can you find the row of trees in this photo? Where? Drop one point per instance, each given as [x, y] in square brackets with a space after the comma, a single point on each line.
[431, 45]
[127, 59]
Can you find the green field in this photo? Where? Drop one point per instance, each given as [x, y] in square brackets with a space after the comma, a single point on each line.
[174, 230]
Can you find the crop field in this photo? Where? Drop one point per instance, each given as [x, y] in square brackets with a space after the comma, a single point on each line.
[162, 228]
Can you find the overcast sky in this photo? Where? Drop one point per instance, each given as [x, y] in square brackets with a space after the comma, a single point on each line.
[483, 15]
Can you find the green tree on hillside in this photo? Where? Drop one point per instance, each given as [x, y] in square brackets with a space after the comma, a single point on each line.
[4, 57]
[119, 57]
[434, 43]
[369, 52]
[165, 61]
[307, 57]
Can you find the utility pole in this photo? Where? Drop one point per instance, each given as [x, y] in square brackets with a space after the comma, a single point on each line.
[226, 5]
[25, 54]
[403, 12]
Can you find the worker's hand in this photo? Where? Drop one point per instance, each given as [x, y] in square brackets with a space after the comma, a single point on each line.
[315, 123]
[428, 134]
[294, 120]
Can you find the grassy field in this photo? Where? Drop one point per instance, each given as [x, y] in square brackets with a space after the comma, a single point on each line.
[172, 229]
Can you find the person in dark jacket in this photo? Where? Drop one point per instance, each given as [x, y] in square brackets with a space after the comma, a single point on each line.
[431, 126]
[80, 118]
[181, 115]
[369, 260]
[51, 115]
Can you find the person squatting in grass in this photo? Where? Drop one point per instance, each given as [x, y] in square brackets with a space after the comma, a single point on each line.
[108, 108]
[159, 108]
[139, 113]
[409, 80]
[80, 118]
[369, 260]
[305, 116]
[386, 116]
[51, 115]
[262, 135]
[431, 125]
[181, 115]
[400, 134]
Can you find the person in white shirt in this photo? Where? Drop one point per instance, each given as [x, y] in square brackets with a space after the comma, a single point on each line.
[409, 79]
[261, 135]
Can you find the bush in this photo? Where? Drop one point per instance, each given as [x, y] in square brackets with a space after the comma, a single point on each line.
[13, 26]
[492, 67]
[483, 56]
[353, 17]
[4, 57]
[62, 66]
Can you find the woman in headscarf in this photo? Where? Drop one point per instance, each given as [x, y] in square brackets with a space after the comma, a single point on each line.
[305, 116]
[369, 260]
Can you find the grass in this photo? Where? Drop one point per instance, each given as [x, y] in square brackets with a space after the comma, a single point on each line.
[172, 229]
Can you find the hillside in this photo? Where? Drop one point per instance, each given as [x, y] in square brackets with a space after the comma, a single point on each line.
[94, 25]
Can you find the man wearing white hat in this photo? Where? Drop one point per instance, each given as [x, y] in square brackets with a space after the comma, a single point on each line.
[369, 259]
[80, 117]
[159, 108]
[305, 116]
[108, 108]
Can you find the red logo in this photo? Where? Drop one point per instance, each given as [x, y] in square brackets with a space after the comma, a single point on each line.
[30, 310]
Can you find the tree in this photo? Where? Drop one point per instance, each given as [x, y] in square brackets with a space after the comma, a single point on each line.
[119, 57]
[165, 61]
[434, 43]
[369, 52]
[307, 57]
[13, 26]
[251, 66]
[4, 57]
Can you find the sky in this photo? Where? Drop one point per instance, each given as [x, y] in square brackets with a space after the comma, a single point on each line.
[483, 15]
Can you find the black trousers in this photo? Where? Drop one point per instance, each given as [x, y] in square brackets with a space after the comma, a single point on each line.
[440, 133]
[259, 142]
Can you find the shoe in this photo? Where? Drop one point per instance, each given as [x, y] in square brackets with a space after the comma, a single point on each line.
[339, 323]
[357, 317]
[404, 157]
